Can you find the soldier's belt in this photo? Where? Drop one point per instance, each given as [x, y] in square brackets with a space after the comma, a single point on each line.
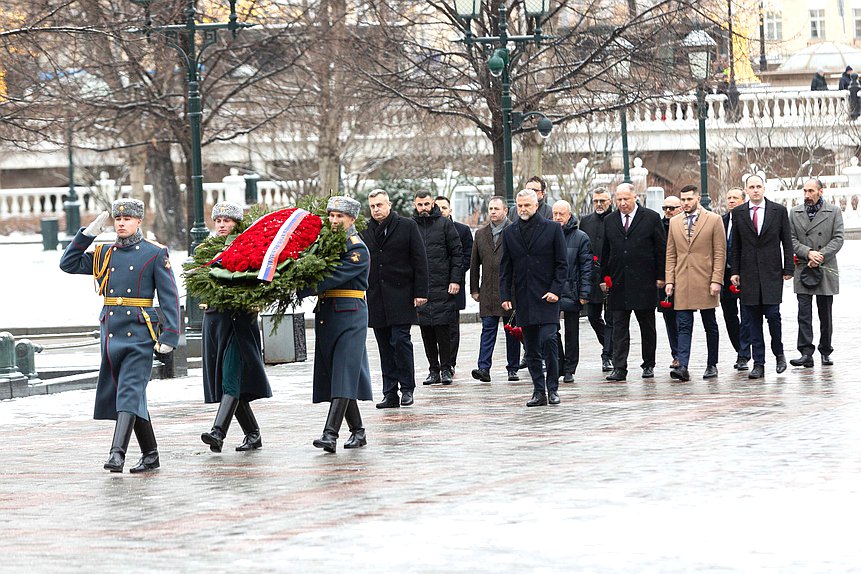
[351, 293]
[128, 302]
[134, 302]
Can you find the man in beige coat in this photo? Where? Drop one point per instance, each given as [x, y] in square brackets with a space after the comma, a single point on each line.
[696, 257]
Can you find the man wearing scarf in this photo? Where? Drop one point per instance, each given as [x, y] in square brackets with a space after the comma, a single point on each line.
[817, 236]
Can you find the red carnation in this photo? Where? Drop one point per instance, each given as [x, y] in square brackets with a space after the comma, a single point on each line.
[734, 289]
[516, 332]
[595, 258]
[608, 281]
[248, 249]
[666, 304]
[796, 260]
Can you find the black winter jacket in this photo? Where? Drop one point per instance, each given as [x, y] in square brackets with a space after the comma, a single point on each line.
[445, 265]
[580, 267]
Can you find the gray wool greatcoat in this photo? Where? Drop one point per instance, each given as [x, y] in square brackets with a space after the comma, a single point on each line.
[138, 270]
[761, 260]
[823, 234]
[484, 273]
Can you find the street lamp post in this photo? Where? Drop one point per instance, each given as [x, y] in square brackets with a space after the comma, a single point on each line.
[699, 46]
[498, 65]
[191, 52]
[622, 71]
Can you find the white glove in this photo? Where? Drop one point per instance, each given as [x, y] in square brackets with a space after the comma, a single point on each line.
[163, 348]
[98, 225]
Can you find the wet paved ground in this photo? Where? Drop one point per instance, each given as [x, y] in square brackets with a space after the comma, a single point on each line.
[643, 476]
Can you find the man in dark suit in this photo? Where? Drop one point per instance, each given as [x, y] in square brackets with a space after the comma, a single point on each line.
[593, 226]
[634, 257]
[539, 186]
[761, 256]
[534, 266]
[672, 206]
[465, 234]
[397, 286]
[737, 329]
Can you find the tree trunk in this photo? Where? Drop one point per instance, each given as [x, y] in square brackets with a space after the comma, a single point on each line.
[138, 158]
[332, 96]
[531, 158]
[169, 214]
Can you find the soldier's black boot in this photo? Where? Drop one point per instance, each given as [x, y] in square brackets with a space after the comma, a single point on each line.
[226, 410]
[354, 421]
[149, 448]
[333, 424]
[245, 418]
[120, 443]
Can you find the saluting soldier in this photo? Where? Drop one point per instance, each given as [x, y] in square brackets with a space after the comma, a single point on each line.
[341, 372]
[128, 274]
[233, 370]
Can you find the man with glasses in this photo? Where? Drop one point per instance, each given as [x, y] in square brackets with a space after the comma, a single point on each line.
[672, 206]
[539, 186]
[593, 225]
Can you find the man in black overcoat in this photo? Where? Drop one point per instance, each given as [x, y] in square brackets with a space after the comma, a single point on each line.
[397, 286]
[734, 315]
[465, 234]
[634, 258]
[534, 267]
[445, 273]
[592, 225]
[761, 262]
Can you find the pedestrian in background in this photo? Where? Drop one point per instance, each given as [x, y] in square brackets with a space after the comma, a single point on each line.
[445, 273]
[845, 79]
[484, 284]
[819, 83]
[734, 315]
[672, 206]
[341, 372]
[817, 236]
[761, 261]
[537, 184]
[233, 369]
[577, 288]
[533, 271]
[599, 316]
[397, 286]
[128, 274]
[465, 234]
[634, 255]
[696, 258]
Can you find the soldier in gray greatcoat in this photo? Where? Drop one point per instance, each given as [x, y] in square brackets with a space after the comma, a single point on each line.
[128, 274]
[341, 372]
[233, 369]
[817, 235]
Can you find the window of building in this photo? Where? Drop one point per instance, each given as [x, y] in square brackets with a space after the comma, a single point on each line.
[817, 24]
[773, 26]
[857, 14]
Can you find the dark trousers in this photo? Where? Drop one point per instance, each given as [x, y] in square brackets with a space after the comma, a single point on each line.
[437, 342]
[569, 353]
[805, 323]
[489, 329]
[396, 358]
[755, 314]
[622, 337]
[603, 327]
[672, 331]
[685, 319]
[454, 334]
[737, 329]
[540, 343]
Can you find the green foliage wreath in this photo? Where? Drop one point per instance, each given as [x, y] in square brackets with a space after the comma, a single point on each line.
[225, 290]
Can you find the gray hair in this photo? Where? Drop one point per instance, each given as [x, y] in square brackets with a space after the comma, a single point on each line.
[377, 192]
[624, 186]
[563, 203]
[528, 193]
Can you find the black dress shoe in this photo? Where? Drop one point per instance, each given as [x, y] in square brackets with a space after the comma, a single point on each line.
[680, 374]
[390, 401]
[513, 376]
[606, 365]
[523, 364]
[147, 462]
[617, 375]
[445, 377]
[481, 375]
[568, 378]
[407, 399]
[553, 398]
[648, 373]
[803, 361]
[781, 363]
[826, 360]
[757, 372]
[432, 379]
[711, 372]
[740, 363]
[537, 400]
